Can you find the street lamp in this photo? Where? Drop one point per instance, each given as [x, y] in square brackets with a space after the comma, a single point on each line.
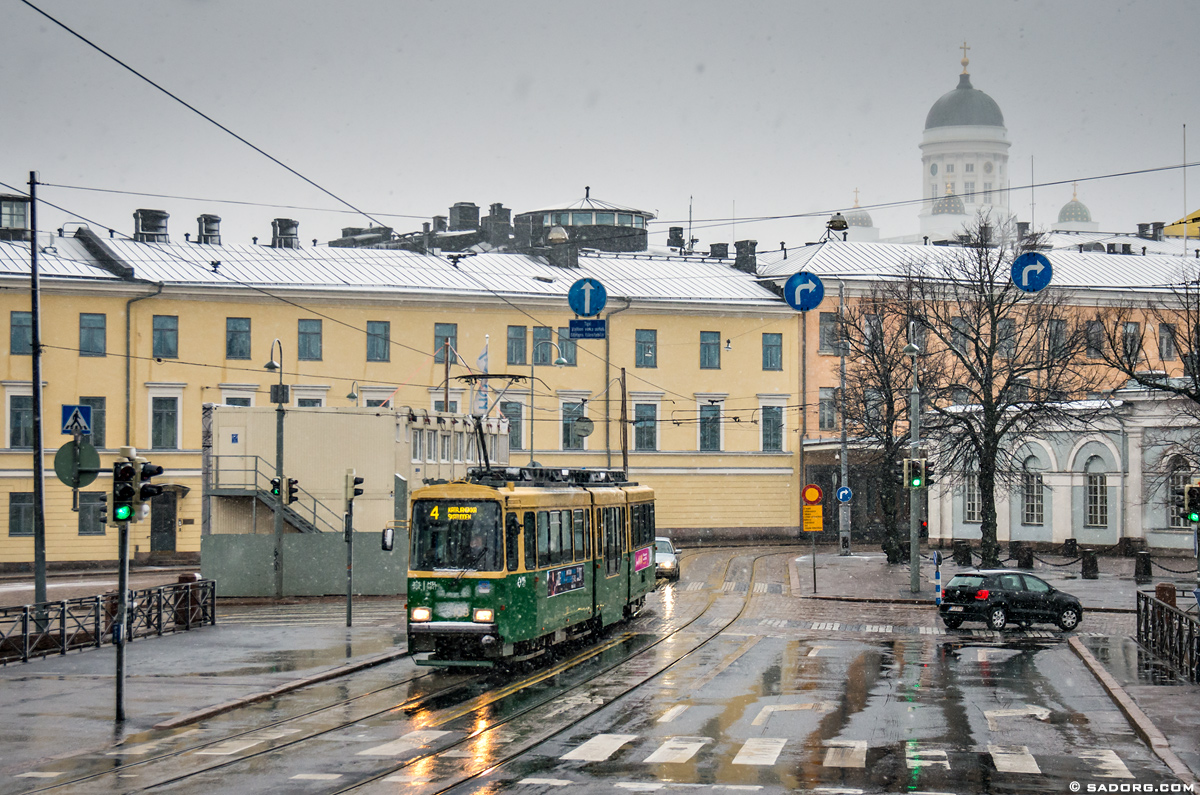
[279, 396]
[559, 362]
[914, 440]
[353, 393]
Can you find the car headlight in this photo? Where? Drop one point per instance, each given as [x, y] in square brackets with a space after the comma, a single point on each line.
[421, 614]
[484, 615]
[667, 564]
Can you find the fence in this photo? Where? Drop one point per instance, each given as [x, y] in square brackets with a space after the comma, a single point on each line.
[1170, 634]
[46, 628]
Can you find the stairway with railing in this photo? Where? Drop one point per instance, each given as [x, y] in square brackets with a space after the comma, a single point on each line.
[250, 476]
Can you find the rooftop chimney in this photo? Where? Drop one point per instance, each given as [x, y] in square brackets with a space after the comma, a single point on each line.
[1022, 229]
[285, 233]
[1126, 248]
[1111, 248]
[439, 223]
[150, 226]
[745, 258]
[1144, 231]
[675, 237]
[718, 250]
[464, 216]
[563, 252]
[210, 229]
[1157, 226]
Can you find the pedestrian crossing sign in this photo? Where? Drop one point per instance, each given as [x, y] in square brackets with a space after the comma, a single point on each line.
[76, 419]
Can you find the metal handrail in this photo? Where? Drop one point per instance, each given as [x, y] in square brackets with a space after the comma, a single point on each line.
[1170, 634]
[44, 628]
[258, 480]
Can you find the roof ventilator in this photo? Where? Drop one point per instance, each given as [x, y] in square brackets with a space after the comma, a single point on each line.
[150, 226]
[285, 233]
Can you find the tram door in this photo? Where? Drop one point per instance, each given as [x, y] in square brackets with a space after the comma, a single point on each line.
[611, 588]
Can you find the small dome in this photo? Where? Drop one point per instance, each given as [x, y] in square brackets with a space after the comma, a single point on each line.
[965, 105]
[1074, 211]
[858, 218]
[949, 205]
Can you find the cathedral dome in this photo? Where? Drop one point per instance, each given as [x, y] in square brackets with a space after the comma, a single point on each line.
[858, 216]
[964, 106]
[949, 205]
[1074, 211]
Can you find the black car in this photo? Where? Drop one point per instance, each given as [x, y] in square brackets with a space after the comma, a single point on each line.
[1002, 596]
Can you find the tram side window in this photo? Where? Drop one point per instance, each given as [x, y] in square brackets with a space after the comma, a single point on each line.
[512, 540]
[543, 539]
[612, 542]
[530, 541]
[580, 534]
[556, 547]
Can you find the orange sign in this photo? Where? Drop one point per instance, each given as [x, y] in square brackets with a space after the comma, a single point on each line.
[812, 494]
[814, 518]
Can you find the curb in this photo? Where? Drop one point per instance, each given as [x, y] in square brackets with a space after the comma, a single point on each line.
[1142, 724]
[929, 602]
[287, 687]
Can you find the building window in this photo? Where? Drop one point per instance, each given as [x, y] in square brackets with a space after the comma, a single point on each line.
[379, 340]
[1180, 479]
[99, 420]
[164, 423]
[21, 334]
[375, 403]
[166, 337]
[239, 402]
[959, 335]
[566, 346]
[969, 167]
[92, 334]
[444, 334]
[872, 333]
[949, 168]
[646, 348]
[445, 457]
[309, 403]
[12, 214]
[969, 190]
[772, 351]
[710, 427]
[1097, 500]
[826, 410]
[645, 426]
[543, 348]
[440, 406]
[237, 338]
[20, 420]
[1006, 337]
[1166, 342]
[829, 337]
[308, 340]
[512, 410]
[710, 350]
[91, 505]
[20, 513]
[1095, 339]
[1131, 342]
[772, 429]
[1056, 339]
[516, 345]
[971, 500]
[571, 438]
[1032, 496]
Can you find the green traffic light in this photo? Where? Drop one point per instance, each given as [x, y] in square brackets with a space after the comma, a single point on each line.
[1194, 516]
[122, 513]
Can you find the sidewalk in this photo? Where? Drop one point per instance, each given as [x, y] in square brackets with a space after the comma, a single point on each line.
[1166, 709]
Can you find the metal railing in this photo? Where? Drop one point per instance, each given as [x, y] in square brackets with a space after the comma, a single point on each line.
[251, 474]
[45, 628]
[1170, 634]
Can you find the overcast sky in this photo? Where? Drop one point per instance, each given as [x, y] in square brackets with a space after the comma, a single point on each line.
[751, 109]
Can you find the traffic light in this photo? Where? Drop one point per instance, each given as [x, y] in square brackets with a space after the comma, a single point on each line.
[929, 476]
[106, 509]
[1192, 503]
[352, 486]
[293, 486]
[124, 492]
[900, 472]
[275, 491]
[1181, 503]
[147, 490]
[916, 473]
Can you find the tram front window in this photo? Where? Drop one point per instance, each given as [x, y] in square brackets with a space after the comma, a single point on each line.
[456, 534]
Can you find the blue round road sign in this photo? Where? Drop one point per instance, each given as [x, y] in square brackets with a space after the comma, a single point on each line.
[587, 297]
[844, 494]
[803, 291]
[1031, 271]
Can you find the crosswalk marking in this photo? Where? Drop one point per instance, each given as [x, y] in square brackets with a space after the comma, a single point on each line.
[405, 744]
[765, 713]
[815, 651]
[677, 749]
[672, 713]
[146, 748]
[599, 748]
[543, 782]
[1013, 759]
[1111, 765]
[316, 777]
[921, 755]
[992, 715]
[37, 775]
[846, 753]
[760, 751]
[229, 747]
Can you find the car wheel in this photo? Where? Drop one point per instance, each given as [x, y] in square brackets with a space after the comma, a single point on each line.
[953, 622]
[997, 618]
[1068, 618]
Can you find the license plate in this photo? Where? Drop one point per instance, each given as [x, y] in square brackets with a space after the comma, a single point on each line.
[956, 609]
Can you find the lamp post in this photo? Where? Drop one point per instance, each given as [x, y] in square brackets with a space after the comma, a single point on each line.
[559, 362]
[353, 396]
[914, 441]
[279, 396]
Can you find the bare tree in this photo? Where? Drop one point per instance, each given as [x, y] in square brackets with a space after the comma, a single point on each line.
[996, 364]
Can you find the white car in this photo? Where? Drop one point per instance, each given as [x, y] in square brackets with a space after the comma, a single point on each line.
[666, 559]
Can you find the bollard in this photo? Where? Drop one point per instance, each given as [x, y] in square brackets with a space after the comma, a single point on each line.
[1014, 548]
[961, 550]
[1141, 567]
[1165, 593]
[1091, 566]
[187, 604]
[1025, 557]
[1070, 548]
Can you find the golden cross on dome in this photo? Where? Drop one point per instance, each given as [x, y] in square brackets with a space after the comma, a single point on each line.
[856, 197]
[965, 61]
[1074, 191]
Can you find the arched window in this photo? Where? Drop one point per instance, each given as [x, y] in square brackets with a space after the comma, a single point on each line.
[1096, 513]
[1178, 479]
[1032, 493]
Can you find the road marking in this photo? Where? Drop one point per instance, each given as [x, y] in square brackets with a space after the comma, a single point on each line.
[672, 713]
[1041, 713]
[545, 782]
[765, 713]
[639, 786]
[316, 777]
[677, 749]
[920, 755]
[838, 791]
[815, 650]
[716, 670]
[407, 779]
[228, 748]
[846, 753]
[145, 748]
[409, 742]
[1013, 759]
[49, 585]
[760, 751]
[599, 748]
[1111, 765]
[38, 775]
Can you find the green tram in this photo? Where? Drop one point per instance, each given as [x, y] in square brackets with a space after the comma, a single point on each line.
[510, 562]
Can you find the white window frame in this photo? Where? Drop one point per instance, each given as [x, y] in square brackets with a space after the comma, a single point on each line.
[654, 398]
[14, 389]
[1095, 509]
[1179, 479]
[780, 402]
[972, 499]
[708, 399]
[366, 393]
[457, 395]
[571, 396]
[173, 389]
[238, 391]
[1033, 499]
[310, 392]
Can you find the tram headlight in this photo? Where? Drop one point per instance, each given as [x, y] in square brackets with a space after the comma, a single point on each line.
[484, 615]
[421, 614]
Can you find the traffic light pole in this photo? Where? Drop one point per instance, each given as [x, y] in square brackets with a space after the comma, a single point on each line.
[914, 502]
[350, 563]
[121, 622]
